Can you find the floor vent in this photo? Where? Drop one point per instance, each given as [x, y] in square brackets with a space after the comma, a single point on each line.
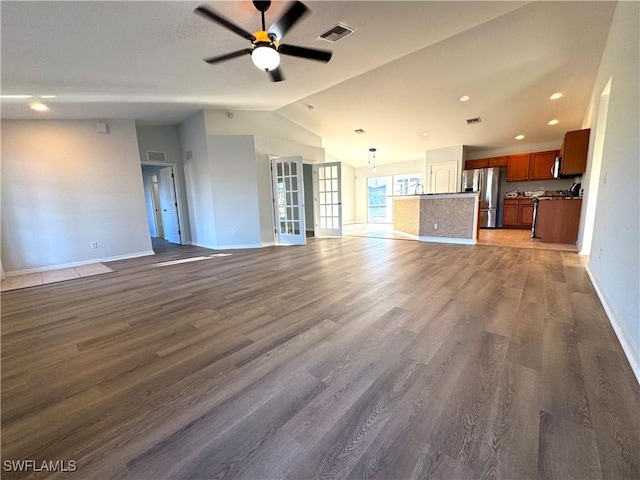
[156, 156]
[336, 33]
[471, 121]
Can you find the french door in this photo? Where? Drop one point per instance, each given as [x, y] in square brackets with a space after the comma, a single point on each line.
[288, 200]
[327, 200]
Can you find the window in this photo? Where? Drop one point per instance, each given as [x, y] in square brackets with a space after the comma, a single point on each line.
[379, 200]
[380, 191]
[406, 184]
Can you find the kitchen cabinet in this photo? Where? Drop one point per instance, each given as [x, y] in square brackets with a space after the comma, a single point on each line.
[574, 152]
[485, 163]
[557, 220]
[479, 163]
[517, 213]
[498, 162]
[518, 167]
[541, 165]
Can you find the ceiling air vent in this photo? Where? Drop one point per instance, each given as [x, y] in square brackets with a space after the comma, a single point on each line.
[156, 156]
[359, 131]
[336, 33]
[471, 121]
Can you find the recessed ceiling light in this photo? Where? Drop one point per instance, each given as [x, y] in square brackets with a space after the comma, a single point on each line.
[425, 134]
[555, 121]
[519, 137]
[464, 98]
[39, 107]
[16, 96]
[556, 96]
[47, 96]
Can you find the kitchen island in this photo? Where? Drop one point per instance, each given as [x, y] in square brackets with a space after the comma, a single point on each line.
[440, 217]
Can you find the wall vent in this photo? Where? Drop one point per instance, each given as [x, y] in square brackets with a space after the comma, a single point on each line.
[471, 121]
[336, 33]
[156, 156]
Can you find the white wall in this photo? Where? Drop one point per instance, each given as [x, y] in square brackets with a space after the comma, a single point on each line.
[387, 169]
[348, 191]
[197, 172]
[166, 138]
[263, 124]
[64, 186]
[614, 264]
[441, 155]
[234, 188]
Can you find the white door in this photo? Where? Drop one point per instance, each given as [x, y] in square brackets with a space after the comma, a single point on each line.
[328, 199]
[443, 177]
[169, 206]
[288, 200]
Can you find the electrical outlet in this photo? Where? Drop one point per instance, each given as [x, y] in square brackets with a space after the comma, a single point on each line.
[235, 233]
[435, 226]
[600, 253]
[94, 244]
[604, 180]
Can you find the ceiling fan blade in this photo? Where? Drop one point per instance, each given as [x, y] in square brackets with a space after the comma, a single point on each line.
[276, 75]
[228, 56]
[207, 13]
[310, 53]
[288, 19]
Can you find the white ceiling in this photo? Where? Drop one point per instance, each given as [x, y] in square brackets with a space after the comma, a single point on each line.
[401, 73]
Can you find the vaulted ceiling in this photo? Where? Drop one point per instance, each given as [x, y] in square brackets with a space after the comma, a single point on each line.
[401, 73]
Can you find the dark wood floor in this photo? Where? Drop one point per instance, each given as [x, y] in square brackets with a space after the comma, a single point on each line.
[347, 358]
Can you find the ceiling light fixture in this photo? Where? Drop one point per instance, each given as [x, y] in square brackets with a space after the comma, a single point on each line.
[47, 96]
[464, 98]
[519, 137]
[372, 159]
[38, 107]
[16, 96]
[265, 58]
[425, 134]
[555, 121]
[556, 96]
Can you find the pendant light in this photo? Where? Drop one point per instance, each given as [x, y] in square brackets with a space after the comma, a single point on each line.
[372, 159]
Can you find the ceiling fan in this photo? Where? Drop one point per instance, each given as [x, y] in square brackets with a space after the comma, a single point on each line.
[266, 49]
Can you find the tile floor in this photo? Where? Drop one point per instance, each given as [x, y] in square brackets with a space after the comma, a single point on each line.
[52, 276]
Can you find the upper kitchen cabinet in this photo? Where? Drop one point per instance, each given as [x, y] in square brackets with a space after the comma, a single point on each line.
[479, 163]
[518, 167]
[541, 165]
[574, 152]
[485, 163]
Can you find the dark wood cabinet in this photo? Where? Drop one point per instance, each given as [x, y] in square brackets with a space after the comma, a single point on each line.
[497, 162]
[518, 167]
[557, 220]
[541, 165]
[479, 163]
[517, 213]
[485, 163]
[574, 152]
[510, 213]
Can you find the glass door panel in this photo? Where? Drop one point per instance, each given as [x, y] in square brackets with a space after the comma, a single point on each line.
[288, 195]
[328, 200]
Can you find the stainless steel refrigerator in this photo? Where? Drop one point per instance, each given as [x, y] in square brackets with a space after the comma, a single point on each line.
[487, 182]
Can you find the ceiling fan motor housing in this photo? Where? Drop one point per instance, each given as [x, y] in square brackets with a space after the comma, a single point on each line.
[262, 6]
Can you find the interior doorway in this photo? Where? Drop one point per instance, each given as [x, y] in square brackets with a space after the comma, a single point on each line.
[162, 202]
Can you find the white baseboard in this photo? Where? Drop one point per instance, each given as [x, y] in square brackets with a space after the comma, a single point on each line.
[457, 241]
[633, 356]
[79, 264]
[228, 247]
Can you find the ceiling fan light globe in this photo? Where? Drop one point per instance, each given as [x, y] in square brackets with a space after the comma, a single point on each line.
[265, 58]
